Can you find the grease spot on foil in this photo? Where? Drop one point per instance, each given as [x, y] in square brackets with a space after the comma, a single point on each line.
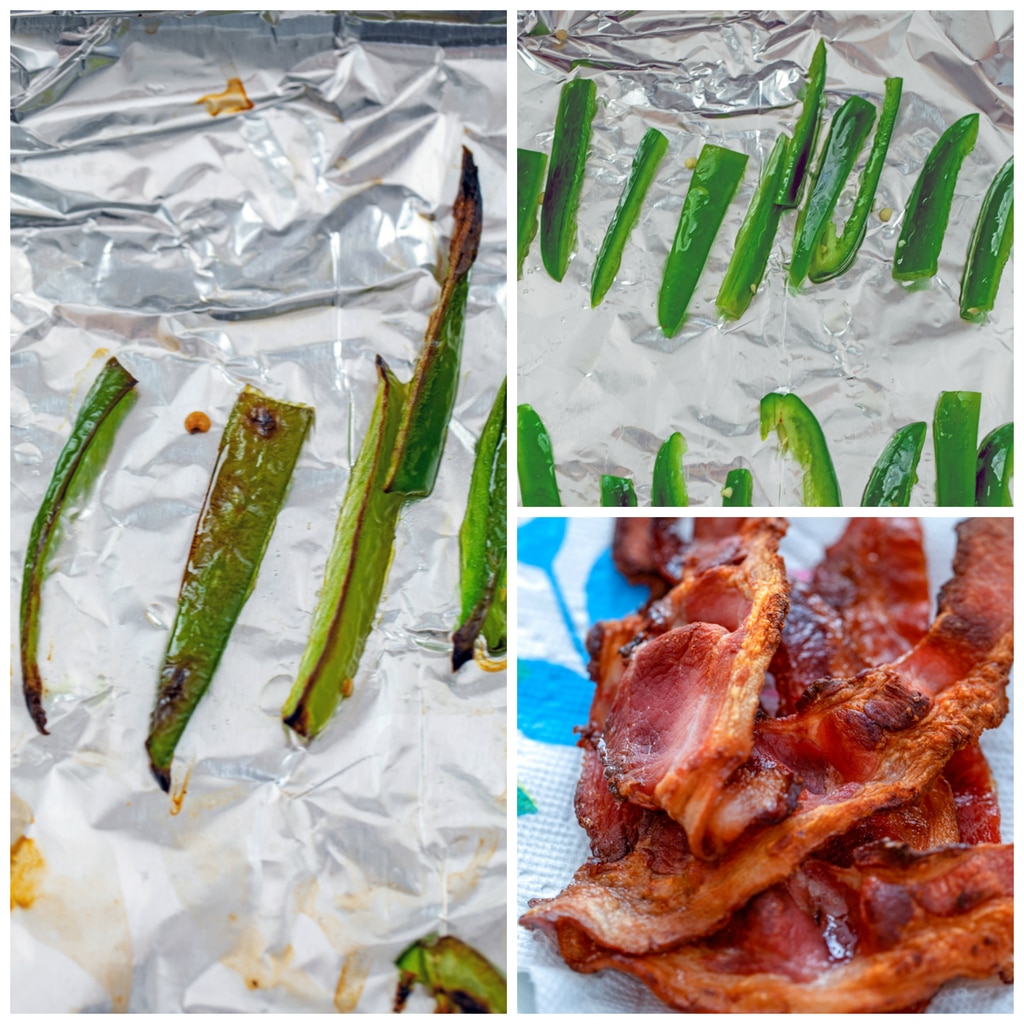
[27, 866]
[461, 883]
[262, 968]
[232, 100]
[351, 982]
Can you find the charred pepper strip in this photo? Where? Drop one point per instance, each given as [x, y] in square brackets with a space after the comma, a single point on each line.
[535, 460]
[715, 180]
[846, 136]
[755, 239]
[834, 253]
[617, 492]
[530, 171]
[669, 488]
[431, 398]
[81, 459]
[576, 108]
[805, 133]
[648, 156]
[927, 213]
[800, 433]
[995, 467]
[955, 434]
[895, 472]
[738, 490]
[356, 569]
[257, 454]
[482, 552]
[990, 247]
[459, 978]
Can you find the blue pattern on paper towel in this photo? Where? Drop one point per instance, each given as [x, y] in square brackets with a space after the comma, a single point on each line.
[553, 699]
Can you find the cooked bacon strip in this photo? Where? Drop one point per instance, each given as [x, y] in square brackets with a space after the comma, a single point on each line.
[635, 550]
[977, 805]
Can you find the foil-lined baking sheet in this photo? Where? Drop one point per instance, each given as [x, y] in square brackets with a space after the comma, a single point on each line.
[865, 352]
[222, 200]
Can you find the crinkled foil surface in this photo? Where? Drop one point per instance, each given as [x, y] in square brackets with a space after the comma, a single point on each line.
[865, 352]
[282, 246]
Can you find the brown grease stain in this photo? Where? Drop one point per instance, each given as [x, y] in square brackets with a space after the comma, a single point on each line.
[351, 983]
[261, 968]
[27, 866]
[461, 883]
[179, 796]
[232, 100]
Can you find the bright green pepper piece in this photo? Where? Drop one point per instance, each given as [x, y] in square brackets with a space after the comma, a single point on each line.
[833, 254]
[895, 472]
[460, 979]
[738, 490]
[482, 552]
[990, 247]
[955, 434]
[257, 454]
[431, 397]
[649, 154]
[576, 108]
[79, 463]
[995, 468]
[755, 239]
[669, 488]
[617, 492]
[800, 433]
[535, 460]
[790, 187]
[715, 180]
[530, 170]
[927, 213]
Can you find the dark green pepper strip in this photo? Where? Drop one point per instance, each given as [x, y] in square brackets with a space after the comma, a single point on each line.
[617, 492]
[669, 488]
[834, 253]
[846, 135]
[648, 156]
[576, 108]
[790, 187]
[78, 464]
[482, 552]
[356, 569]
[460, 979]
[927, 213]
[800, 433]
[738, 491]
[535, 460]
[715, 180]
[895, 472]
[530, 170]
[995, 467]
[955, 435]
[755, 239]
[431, 397]
[257, 454]
[990, 247]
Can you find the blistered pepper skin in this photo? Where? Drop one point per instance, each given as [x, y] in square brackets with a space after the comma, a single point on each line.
[789, 188]
[460, 979]
[617, 492]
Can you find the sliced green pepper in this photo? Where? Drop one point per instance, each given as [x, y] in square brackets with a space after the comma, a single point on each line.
[617, 492]
[955, 434]
[357, 567]
[805, 133]
[669, 489]
[990, 247]
[846, 135]
[460, 979]
[995, 468]
[715, 180]
[530, 170]
[800, 433]
[895, 472]
[755, 239]
[576, 108]
[927, 213]
[482, 552]
[257, 454]
[535, 460]
[431, 397]
[79, 463]
[833, 254]
[649, 154]
[738, 490]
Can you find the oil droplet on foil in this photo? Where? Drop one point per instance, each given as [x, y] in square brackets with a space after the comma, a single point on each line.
[232, 100]
[260, 968]
[26, 871]
[179, 796]
[351, 982]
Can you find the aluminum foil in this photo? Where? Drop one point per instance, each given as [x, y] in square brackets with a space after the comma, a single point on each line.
[284, 246]
[865, 352]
